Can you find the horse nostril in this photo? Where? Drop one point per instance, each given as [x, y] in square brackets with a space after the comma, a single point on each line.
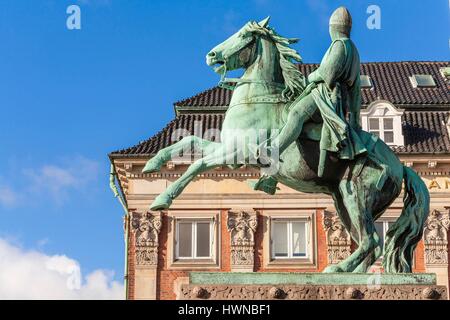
[211, 54]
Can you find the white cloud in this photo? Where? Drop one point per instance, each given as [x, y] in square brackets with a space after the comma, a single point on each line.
[59, 180]
[8, 197]
[51, 182]
[35, 275]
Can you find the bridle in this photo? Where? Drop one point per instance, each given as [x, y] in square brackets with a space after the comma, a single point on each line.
[224, 82]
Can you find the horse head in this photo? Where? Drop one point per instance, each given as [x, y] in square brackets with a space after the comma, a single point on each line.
[258, 44]
[237, 51]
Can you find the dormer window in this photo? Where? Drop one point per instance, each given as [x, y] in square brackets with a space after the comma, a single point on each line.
[366, 82]
[382, 119]
[422, 80]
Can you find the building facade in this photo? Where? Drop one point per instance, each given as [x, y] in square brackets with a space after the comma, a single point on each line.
[220, 223]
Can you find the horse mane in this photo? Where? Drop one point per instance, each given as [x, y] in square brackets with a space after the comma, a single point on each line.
[294, 80]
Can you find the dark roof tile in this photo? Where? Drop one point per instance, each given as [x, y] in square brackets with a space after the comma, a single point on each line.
[424, 132]
[390, 82]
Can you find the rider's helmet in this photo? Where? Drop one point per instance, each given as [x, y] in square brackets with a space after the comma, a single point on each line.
[341, 21]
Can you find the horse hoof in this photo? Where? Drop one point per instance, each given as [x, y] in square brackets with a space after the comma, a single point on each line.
[333, 269]
[161, 202]
[152, 165]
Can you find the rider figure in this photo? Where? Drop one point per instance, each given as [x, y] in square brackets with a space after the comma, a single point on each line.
[334, 91]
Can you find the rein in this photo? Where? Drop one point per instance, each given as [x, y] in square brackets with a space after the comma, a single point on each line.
[225, 82]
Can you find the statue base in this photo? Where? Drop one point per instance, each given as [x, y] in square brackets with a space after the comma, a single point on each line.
[311, 286]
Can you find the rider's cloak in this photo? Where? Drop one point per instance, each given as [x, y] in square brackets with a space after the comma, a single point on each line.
[337, 96]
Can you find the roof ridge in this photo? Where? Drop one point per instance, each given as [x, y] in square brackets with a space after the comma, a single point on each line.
[389, 78]
[196, 96]
[405, 61]
[148, 140]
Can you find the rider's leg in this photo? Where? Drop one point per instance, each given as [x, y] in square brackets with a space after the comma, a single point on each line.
[301, 112]
[297, 116]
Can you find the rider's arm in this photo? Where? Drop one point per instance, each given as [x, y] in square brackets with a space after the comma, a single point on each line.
[331, 67]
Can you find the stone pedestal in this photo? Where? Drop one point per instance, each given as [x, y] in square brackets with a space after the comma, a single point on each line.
[312, 286]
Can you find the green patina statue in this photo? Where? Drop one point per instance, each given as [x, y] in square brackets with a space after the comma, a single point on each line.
[312, 140]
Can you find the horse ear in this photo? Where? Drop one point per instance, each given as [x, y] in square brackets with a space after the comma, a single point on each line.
[265, 22]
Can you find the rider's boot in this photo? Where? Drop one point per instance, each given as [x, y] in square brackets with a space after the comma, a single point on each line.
[266, 184]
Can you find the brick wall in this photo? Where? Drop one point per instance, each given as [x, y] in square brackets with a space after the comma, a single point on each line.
[131, 265]
[166, 278]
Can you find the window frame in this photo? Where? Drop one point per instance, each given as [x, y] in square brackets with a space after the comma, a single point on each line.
[381, 129]
[289, 235]
[307, 215]
[194, 234]
[186, 264]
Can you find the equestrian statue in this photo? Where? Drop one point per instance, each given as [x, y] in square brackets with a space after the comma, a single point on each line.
[305, 133]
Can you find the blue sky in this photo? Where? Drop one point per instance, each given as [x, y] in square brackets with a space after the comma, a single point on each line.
[68, 97]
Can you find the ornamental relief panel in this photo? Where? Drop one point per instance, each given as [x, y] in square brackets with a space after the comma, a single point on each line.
[145, 228]
[338, 239]
[242, 226]
[435, 237]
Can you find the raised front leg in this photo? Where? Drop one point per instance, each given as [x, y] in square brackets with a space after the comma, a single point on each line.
[217, 158]
[164, 155]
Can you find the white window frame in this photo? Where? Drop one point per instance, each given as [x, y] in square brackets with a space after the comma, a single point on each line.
[381, 130]
[382, 109]
[194, 223]
[289, 238]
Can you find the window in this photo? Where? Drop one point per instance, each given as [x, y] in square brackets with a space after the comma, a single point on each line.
[366, 82]
[445, 72]
[382, 228]
[383, 128]
[422, 80]
[193, 239]
[289, 239]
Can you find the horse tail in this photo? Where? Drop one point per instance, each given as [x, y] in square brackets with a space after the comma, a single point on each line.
[403, 236]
